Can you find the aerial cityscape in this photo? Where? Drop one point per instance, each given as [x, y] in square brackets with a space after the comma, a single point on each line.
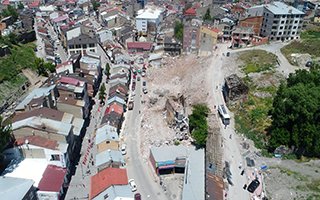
[159, 100]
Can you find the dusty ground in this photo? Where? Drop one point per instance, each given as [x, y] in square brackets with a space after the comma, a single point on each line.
[185, 75]
[190, 75]
[284, 179]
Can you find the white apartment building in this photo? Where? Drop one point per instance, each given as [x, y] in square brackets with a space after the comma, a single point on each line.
[149, 15]
[281, 22]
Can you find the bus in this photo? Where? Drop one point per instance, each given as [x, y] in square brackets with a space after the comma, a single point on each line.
[224, 114]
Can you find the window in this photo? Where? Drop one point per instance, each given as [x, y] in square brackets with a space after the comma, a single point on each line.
[92, 50]
[294, 27]
[284, 33]
[296, 21]
[274, 27]
[78, 46]
[55, 157]
[290, 27]
[107, 142]
[281, 27]
[71, 46]
[282, 22]
[293, 33]
[275, 22]
[84, 46]
[91, 45]
[280, 33]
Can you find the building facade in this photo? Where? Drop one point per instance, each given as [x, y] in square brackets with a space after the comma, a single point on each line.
[281, 22]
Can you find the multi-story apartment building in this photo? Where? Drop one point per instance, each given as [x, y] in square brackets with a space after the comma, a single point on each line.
[281, 22]
[191, 36]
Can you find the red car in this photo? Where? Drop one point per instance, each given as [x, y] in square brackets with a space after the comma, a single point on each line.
[137, 196]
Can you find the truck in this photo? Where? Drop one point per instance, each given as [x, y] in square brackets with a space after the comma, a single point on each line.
[130, 105]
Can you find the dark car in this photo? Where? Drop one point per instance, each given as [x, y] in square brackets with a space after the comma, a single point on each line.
[144, 83]
[253, 185]
[137, 196]
[133, 85]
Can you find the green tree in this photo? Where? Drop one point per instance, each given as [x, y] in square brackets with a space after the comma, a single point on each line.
[5, 134]
[296, 114]
[178, 30]
[107, 70]
[207, 15]
[95, 5]
[198, 124]
[102, 93]
[10, 11]
[20, 6]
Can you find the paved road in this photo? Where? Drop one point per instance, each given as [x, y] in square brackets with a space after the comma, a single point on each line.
[138, 168]
[231, 148]
[60, 50]
[40, 44]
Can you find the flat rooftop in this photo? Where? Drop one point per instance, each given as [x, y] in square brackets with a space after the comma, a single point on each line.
[280, 8]
[30, 168]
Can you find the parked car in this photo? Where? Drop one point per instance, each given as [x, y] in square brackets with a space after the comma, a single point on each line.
[133, 85]
[253, 185]
[144, 90]
[123, 149]
[132, 185]
[139, 78]
[137, 196]
[130, 105]
[144, 83]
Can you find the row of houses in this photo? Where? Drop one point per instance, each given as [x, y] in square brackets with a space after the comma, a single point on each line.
[111, 178]
[48, 126]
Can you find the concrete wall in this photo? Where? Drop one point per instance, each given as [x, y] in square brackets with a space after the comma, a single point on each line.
[75, 110]
[255, 22]
[27, 131]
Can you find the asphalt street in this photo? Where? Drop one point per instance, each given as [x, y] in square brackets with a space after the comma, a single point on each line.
[231, 148]
[138, 168]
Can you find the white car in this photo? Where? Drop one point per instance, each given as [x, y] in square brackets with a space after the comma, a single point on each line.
[132, 185]
[123, 149]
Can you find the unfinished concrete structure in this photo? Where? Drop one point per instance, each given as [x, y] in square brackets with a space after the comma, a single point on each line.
[176, 116]
[234, 88]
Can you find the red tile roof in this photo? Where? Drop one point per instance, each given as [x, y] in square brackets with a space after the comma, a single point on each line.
[139, 45]
[114, 107]
[68, 80]
[34, 4]
[5, 2]
[107, 178]
[52, 179]
[190, 12]
[63, 64]
[38, 141]
[44, 112]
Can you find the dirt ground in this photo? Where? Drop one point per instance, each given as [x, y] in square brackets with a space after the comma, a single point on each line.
[175, 77]
[284, 179]
[190, 75]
